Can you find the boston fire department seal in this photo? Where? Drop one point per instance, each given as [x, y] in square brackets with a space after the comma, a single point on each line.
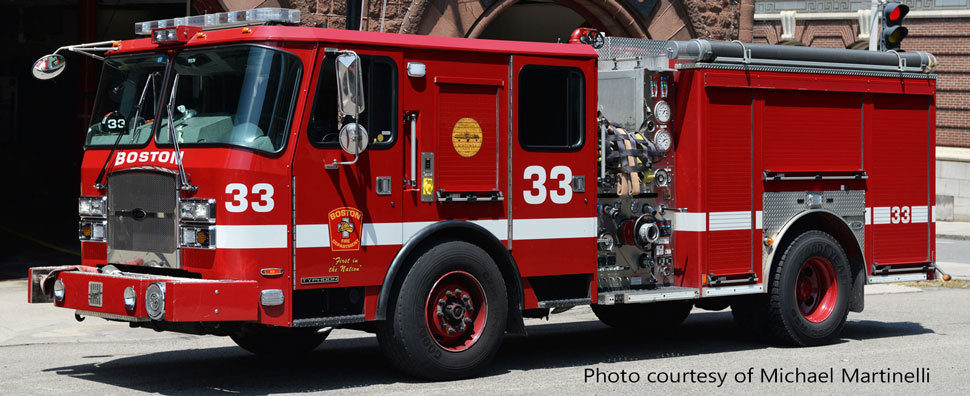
[345, 224]
[466, 136]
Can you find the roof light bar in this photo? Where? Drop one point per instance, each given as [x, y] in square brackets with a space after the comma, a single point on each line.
[256, 16]
[174, 35]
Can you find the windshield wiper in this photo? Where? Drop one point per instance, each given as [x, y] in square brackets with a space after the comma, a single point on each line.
[135, 133]
[171, 135]
[141, 101]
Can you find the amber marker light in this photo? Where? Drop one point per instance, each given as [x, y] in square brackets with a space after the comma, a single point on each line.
[769, 241]
[271, 271]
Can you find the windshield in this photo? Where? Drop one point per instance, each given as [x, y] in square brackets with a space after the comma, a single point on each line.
[241, 96]
[126, 82]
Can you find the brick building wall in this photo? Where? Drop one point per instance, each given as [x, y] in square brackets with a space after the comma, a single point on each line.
[713, 19]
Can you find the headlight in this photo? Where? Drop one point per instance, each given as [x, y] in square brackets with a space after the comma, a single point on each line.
[92, 206]
[130, 298]
[198, 210]
[198, 237]
[59, 290]
[95, 231]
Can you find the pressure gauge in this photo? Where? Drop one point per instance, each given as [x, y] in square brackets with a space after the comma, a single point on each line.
[662, 140]
[662, 111]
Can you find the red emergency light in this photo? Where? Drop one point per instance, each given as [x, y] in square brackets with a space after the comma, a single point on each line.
[174, 34]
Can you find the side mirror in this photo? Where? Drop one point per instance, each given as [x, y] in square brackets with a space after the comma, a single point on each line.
[49, 66]
[353, 138]
[350, 85]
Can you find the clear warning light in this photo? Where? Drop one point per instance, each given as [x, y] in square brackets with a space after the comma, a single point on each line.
[256, 16]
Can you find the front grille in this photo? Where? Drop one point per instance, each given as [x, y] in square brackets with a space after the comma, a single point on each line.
[141, 220]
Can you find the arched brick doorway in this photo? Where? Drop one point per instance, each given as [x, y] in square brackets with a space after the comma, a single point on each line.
[665, 19]
[655, 19]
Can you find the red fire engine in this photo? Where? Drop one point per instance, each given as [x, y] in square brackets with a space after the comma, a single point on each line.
[272, 182]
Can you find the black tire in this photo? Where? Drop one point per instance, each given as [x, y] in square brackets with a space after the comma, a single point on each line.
[819, 317]
[407, 338]
[271, 341]
[661, 316]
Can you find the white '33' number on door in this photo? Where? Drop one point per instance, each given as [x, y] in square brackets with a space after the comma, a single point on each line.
[563, 193]
[239, 202]
[899, 214]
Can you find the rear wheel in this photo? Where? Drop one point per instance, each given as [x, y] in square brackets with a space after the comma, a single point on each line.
[656, 316]
[271, 341]
[450, 314]
[808, 298]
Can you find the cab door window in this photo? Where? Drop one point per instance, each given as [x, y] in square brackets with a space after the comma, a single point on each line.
[551, 115]
[380, 94]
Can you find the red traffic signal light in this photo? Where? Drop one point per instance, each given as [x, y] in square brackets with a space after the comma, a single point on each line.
[893, 32]
[894, 13]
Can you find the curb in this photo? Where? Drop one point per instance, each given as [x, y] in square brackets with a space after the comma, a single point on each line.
[961, 237]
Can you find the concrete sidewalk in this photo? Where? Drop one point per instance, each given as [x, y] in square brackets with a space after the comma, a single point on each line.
[953, 230]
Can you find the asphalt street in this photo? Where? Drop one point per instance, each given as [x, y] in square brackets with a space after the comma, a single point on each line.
[44, 351]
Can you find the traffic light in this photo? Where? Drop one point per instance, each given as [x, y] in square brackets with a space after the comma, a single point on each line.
[893, 31]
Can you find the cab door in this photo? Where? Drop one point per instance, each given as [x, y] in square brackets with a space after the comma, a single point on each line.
[554, 171]
[348, 216]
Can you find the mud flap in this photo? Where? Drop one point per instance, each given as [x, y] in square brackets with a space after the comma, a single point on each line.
[857, 302]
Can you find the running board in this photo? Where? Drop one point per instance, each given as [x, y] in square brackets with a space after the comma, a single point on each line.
[647, 296]
[572, 302]
[328, 321]
[913, 277]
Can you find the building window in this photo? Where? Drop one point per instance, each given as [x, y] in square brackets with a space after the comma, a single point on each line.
[551, 107]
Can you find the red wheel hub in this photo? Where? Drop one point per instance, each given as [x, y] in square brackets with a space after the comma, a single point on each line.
[816, 289]
[456, 310]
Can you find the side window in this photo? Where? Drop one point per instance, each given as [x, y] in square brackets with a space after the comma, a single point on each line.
[379, 116]
[551, 107]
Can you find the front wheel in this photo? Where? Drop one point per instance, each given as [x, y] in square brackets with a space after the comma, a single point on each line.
[450, 314]
[808, 299]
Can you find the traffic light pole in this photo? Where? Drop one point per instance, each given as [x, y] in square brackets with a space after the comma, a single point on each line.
[875, 29]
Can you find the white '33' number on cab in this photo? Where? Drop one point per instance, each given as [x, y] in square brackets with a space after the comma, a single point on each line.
[562, 194]
[239, 202]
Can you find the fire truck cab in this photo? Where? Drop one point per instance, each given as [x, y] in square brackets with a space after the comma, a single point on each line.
[272, 182]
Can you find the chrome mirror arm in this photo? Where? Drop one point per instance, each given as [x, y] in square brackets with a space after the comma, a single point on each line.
[185, 186]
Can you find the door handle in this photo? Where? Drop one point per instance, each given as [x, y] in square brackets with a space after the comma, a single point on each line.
[412, 181]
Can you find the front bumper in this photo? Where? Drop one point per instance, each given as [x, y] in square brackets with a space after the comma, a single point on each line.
[185, 299]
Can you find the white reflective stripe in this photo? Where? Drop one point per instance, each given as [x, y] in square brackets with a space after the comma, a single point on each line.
[933, 219]
[881, 215]
[412, 228]
[499, 228]
[685, 221]
[562, 228]
[726, 221]
[312, 235]
[250, 236]
[868, 216]
[758, 220]
[376, 234]
[920, 214]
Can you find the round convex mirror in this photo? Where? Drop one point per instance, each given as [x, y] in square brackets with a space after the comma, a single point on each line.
[48, 67]
[353, 138]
